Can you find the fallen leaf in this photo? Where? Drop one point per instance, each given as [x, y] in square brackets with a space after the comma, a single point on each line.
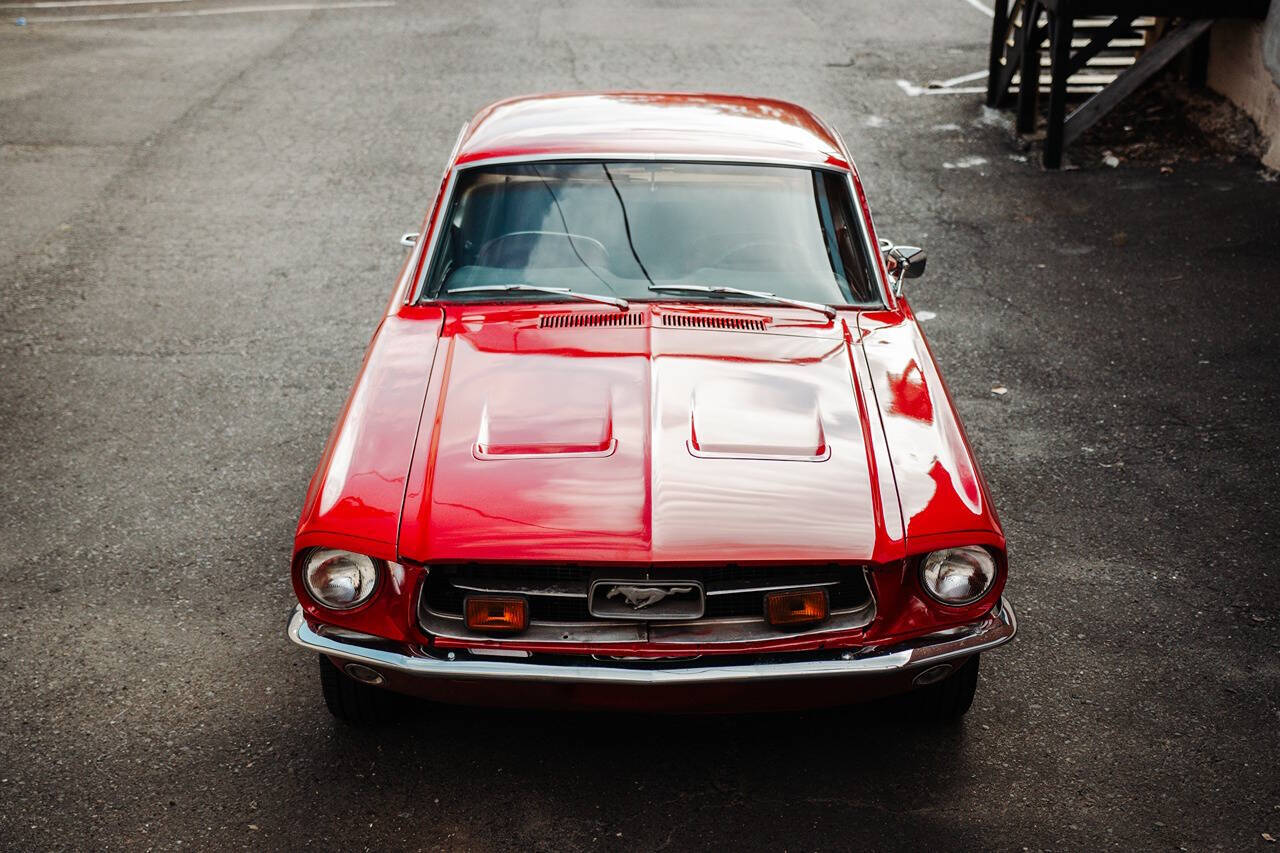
[999, 389]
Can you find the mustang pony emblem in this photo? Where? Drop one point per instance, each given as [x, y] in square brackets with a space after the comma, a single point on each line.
[642, 596]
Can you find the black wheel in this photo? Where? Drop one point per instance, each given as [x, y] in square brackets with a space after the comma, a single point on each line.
[949, 699]
[355, 702]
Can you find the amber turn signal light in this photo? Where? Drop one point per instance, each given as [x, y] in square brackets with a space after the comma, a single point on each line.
[798, 607]
[497, 615]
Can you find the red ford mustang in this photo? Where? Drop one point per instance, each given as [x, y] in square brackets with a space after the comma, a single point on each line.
[647, 425]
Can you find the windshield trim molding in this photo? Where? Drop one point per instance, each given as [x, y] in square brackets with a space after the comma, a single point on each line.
[418, 297]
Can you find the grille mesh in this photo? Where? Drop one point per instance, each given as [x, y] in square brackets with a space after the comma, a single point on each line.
[602, 318]
[849, 590]
[701, 321]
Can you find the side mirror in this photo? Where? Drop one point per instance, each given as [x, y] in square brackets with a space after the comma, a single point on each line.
[410, 239]
[913, 259]
[908, 262]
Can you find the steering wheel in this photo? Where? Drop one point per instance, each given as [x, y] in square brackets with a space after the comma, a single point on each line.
[516, 246]
[760, 256]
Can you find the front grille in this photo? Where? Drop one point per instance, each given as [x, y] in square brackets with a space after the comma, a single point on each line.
[558, 593]
[515, 572]
[446, 599]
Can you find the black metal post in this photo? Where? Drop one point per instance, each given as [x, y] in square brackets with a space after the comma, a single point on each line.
[1198, 72]
[1061, 28]
[999, 33]
[1029, 88]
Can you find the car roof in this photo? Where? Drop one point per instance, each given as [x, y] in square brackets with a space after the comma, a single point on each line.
[649, 125]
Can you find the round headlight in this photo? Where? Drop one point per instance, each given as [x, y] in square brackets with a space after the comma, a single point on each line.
[958, 575]
[339, 579]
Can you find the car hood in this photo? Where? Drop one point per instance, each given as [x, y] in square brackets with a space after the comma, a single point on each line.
[648, 438]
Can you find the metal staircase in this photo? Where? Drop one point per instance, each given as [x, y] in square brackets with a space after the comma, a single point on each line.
[1100, 51]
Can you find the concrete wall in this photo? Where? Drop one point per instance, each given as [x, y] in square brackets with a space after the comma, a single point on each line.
[1244, 65]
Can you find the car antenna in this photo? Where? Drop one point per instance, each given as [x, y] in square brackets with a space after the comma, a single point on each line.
[569, 235]
[626, 223]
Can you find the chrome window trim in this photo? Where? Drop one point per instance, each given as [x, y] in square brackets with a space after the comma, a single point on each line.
[864, 228]
[886, 291]
[446, 196]
[417, 295]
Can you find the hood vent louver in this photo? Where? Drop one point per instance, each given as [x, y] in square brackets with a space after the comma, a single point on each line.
[701, 321]
[611, 318]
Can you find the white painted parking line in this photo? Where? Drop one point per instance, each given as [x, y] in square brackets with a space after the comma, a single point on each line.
[912, 90]
[201, 13]
[966, 163]
[946, 87]
[963, 78]
[977, 4]
[66, 4]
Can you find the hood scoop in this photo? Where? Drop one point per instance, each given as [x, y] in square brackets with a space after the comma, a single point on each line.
[594, 318]
[532, 416]
[705, 321]
[757, 419]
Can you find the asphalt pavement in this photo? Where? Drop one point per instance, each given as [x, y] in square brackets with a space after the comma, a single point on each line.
[200, 215]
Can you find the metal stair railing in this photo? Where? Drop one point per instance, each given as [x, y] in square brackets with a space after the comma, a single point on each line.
[1104, 49]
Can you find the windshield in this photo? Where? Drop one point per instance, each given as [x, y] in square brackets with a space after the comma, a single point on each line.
[619, 229]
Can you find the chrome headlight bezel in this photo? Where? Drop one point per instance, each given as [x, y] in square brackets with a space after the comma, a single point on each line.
[933, 572]
[368, 572]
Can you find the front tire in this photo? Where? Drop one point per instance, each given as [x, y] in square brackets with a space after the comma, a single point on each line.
[949, 699]
[354, 702]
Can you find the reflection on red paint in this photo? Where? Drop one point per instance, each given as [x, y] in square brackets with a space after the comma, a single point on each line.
[580, 123]
[670, 445]
[909, 394]
[477, 433]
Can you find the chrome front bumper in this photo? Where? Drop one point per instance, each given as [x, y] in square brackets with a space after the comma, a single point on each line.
[995, 629]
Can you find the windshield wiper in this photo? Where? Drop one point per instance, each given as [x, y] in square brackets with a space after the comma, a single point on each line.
[758, 294]
[615, 301]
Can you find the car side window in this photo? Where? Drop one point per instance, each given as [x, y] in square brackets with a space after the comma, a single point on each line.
[848, 261]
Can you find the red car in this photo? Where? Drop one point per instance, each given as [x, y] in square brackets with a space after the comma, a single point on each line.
[647, 425]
